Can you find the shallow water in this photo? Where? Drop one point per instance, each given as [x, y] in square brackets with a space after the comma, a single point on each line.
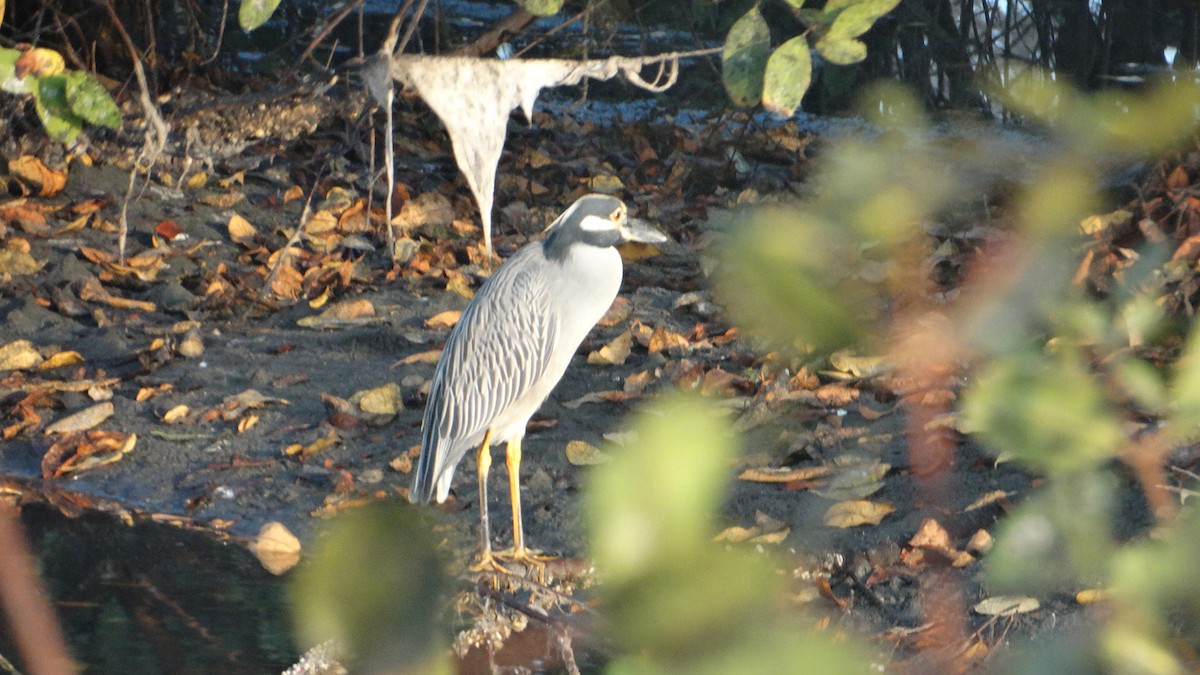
[157, 599]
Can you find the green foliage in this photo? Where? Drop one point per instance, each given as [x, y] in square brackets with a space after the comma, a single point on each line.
[788, 70]
[541, 7]
[674, 602]
[64, 99]
[375, 586]
[254, 13]
[744, 58]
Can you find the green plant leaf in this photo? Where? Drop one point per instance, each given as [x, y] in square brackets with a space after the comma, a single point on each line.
[9, 82]
[788, 76]
[541, 7]
[50, 100]
[745, 57]
[254, 13]
[1047, 411]
[842, 51]
[90, 100]
[795, 4]
[858, 18]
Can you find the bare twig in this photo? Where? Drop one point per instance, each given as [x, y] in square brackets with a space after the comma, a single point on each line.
[156, 128]
[31, 619]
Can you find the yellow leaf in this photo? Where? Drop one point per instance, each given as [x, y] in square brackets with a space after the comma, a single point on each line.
[582, 453]
[276, 548]
[857, 512]
[241, 231]
[60, 360]
[19, 355]
[443, 320]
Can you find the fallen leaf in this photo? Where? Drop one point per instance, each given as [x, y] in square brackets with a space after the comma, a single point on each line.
[854, 478]
[614, 353]
[276, 548]
[176, 414]
[83, 420]
[1089, 596]
[430, 356]
[19, 355]
[18, 263]
[241, 231]
[664, 341]
[379, 405]
[770, 475]
[1006, 605]
[59, 360]
[222, 201]
[617, 313]
[987, 499]
[81, 451]
[981, 542]
[582, 453]
[444, 320]
[31, 169]
[346, 313]
[857, 512]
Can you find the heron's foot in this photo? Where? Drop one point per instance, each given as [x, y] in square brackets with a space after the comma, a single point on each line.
[488, 562]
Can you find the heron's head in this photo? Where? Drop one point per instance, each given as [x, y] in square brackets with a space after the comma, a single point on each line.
[601, 221]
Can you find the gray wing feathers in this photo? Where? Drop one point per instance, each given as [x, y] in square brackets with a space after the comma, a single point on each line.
[498, 350]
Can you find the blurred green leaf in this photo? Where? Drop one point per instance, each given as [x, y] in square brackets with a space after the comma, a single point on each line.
[745, 57]
[91, 101]
[374, 586]
[785, 277]
[795, 4]
[788, 76]
[541, 7]
[254, 13]
[1048, 412]
[50, 101]
[1056, 540]
[8, 73]
[674, 601]
[1185, 388]
[650, 505]
[1142, 382]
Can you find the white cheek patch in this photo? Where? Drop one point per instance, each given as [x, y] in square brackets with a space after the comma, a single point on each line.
[596, 224]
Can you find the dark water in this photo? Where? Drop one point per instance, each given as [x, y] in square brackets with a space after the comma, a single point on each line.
[157, 599]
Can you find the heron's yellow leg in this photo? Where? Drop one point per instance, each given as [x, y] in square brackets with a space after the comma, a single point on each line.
[483, 466]
[512, 458]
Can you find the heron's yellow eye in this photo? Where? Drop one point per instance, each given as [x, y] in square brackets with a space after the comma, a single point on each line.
[617, 215]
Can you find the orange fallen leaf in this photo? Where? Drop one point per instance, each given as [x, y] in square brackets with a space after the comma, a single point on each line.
[241, 231]
[79, 451]
[60, 360]
[770, 475]
[430, 356]
[443, 320]
[614, 353]
[582, 453]
[663, 340]
[31, 169]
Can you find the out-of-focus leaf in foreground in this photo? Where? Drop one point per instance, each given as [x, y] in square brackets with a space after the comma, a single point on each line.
[373, 587]
[674, 601]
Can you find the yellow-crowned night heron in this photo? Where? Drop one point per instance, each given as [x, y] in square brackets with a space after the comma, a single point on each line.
[513, 344]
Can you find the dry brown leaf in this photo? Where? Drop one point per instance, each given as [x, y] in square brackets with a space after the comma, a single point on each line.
[276, 548]
[241, 231]
[857, 512]
[736, 534]
[989, 498]
[18, 263]
[721, 382]
[92, 290]
[1090, 596]
[637, 382]
[444, 320]
[246, 423]
[931, 535]
[854, 478]
[81, 451]
[19, 355]
[459, 284]
[770, 475]
[222, 201]
[176, 415]
[981, 542]
[39, 62]
[83, 420]
[582, 453]
[856, 366]
[617, 313]
[31, 170]
[663, 340]
[428, 209]
[430, 356]
[614, 353]
[1006, 605]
